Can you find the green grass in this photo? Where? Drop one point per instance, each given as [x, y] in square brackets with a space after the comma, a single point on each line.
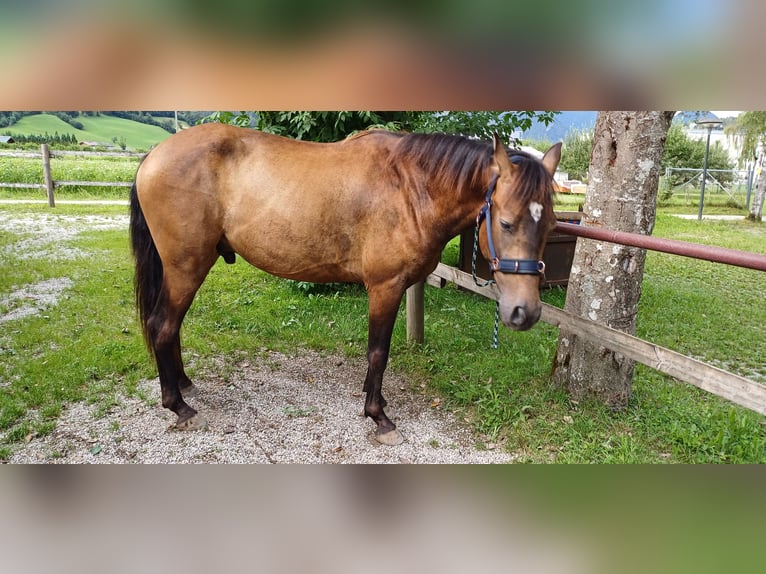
[721, 307]
[68, 168]
[716, 203]
[102, 129]
[80, 349]
[138, 136]
[89, 346]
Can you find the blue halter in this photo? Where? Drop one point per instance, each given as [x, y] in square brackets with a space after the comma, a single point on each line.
[497, 265]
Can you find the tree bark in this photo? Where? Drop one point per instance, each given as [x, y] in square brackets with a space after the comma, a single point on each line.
[605, 280]
[756, 206]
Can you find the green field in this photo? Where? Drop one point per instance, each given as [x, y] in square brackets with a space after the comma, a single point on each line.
[101, 129]
[68, 168]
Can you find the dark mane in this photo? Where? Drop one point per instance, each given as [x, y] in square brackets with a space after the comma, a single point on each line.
[451, 162]
[457, 162]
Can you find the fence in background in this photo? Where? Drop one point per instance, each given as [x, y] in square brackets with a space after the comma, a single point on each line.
[49, 184]
[736, 184]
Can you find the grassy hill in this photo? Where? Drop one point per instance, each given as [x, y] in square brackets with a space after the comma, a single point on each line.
[101, 129]
[42, 123]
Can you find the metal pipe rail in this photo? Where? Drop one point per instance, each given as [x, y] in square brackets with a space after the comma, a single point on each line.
[695, 250]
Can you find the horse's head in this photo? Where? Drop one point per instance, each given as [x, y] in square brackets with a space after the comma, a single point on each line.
[518, 216]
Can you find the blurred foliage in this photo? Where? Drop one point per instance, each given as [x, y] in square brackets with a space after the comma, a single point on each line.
[685, 152]
[681, 151]
[575, 154]
[751, 127]
[326, 126]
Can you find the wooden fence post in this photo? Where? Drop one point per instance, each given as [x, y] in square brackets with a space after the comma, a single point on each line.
[415, 313]
[47, 174]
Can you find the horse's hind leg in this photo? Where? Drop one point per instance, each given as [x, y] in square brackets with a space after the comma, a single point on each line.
[179, 288]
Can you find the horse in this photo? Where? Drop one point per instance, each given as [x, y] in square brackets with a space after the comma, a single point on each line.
[376, 208]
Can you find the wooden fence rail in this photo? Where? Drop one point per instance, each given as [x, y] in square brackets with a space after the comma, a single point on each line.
[49, 184]
[23, 185]
[735, 388]
[73, 153]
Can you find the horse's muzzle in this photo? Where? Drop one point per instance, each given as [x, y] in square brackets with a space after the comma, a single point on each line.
[520, 317]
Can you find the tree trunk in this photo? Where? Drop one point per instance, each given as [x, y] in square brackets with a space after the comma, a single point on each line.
[756, 206]
[605, 281]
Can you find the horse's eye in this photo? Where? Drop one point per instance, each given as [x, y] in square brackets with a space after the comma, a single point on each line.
[506, 226]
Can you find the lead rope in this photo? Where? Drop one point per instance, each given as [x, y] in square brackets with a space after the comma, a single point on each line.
[484, 284]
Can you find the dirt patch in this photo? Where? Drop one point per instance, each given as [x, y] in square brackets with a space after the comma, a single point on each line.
[278, 409]
[45, 234]
[33, 299]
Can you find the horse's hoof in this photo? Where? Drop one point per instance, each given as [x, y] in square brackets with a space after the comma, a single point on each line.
[189, 392]
[390, 438]
[197, 422]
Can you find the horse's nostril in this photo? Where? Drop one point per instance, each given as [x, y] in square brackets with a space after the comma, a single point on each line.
[518, 316]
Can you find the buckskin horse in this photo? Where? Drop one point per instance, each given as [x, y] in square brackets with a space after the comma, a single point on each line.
[376, 208]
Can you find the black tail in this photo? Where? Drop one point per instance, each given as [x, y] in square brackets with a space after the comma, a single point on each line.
[148, 278]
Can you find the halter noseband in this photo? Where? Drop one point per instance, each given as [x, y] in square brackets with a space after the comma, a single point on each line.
[516, 266]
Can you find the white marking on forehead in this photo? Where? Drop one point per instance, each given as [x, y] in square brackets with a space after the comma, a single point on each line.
[536, 210]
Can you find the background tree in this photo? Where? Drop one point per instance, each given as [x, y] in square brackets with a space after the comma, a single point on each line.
[575, 154]
[480, 124]
[680, 151]
[324, 126]
[685, 152]
[605, 281]
[751, 127]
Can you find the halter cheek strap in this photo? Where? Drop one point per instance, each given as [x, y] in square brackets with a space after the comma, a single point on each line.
[516, 266]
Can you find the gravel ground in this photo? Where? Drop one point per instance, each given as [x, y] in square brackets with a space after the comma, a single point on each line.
[280, 409]
[302, 409]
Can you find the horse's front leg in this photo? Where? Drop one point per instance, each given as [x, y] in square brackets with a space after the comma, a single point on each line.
[384, 305]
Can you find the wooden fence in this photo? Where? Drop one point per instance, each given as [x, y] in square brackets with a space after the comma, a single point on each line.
[735, 388]
[49, 185]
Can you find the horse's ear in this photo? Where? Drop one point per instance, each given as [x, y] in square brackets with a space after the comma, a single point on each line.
[500, 162]
[551, 158]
